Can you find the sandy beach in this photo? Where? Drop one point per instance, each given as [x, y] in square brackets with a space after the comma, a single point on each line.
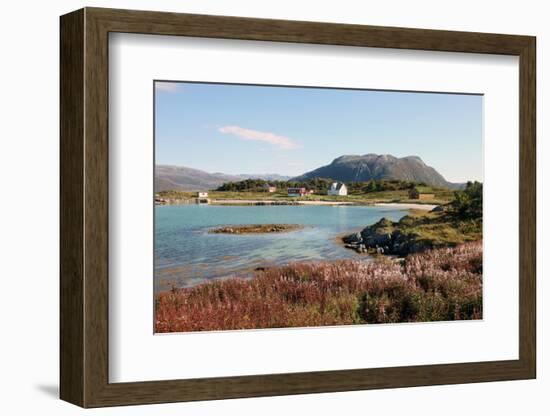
[424, 207]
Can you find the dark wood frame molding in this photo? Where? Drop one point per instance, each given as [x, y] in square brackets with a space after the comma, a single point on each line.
[84, 207]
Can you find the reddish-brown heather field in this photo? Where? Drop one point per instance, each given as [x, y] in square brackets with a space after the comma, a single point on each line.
[437, 285]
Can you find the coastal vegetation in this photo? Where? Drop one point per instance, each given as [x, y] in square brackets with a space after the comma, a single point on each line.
[369, 192]
[321, 185]
[438, 285]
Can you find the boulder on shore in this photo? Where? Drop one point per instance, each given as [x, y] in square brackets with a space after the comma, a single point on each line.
[384, 237]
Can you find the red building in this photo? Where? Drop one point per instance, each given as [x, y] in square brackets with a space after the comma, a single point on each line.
[296, 191]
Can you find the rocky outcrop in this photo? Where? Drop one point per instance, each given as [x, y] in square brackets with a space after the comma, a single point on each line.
[384, 237]
[256, 229]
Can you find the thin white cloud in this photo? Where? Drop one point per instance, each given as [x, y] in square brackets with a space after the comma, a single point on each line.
[167, 86]
[282, 142]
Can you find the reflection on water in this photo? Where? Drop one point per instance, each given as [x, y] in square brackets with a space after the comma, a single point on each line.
[186, 254]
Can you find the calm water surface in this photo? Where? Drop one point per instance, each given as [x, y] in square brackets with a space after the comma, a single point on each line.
[186, 254]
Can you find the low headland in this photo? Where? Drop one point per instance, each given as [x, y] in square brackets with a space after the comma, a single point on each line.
[415, 233]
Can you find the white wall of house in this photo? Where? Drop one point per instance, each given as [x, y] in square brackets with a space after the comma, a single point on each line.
[338, 191]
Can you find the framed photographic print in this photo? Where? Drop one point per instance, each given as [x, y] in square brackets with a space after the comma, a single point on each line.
[255, 207]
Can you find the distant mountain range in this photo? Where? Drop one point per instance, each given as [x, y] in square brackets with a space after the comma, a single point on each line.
[347, 168]
[188, 179]
[265, 176]
[362, 168]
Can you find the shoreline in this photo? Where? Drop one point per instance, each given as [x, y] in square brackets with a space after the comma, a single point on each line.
[276, 202]
[281, 296]
[406, 205]
[260, 202]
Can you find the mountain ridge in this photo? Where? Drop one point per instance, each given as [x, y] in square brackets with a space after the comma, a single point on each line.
[345, 168]
[182, 178]
[372, 166]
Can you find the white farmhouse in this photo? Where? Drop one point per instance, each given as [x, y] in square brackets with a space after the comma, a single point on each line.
[338, 188]
[202, 194]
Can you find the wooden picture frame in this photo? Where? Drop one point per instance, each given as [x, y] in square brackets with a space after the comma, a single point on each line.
[84, 207]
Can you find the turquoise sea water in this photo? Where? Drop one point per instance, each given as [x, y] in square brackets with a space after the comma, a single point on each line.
[186, 254]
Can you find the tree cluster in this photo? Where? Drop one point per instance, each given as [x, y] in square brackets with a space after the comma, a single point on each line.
[318, 185]
[468, 203]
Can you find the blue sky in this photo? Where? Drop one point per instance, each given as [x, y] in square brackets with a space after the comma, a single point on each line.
[261, 129]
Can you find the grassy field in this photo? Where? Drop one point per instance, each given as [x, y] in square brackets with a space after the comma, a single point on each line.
[400, 196]
[438, 228]
[438, 285]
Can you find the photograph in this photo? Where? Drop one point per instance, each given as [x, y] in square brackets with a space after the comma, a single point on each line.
[299, 206]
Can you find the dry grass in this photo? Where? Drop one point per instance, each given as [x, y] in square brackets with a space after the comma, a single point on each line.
[443, 284]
